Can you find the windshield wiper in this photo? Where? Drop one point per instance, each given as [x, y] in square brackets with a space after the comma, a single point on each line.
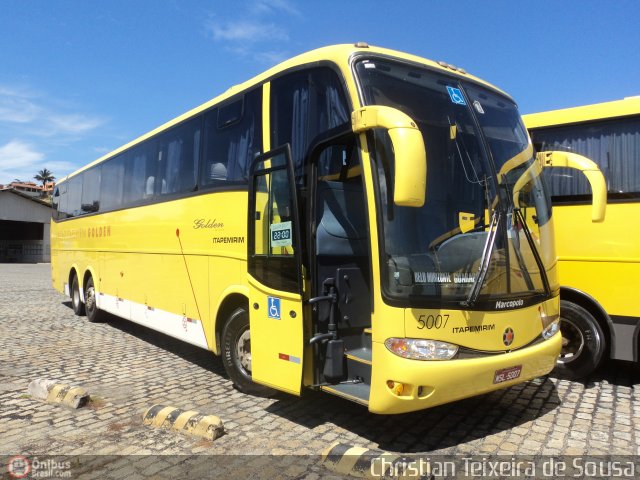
[517, 213]
[485, 260]
[534, 250]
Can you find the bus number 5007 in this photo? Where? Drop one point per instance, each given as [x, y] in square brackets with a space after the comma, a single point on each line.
[432, 321]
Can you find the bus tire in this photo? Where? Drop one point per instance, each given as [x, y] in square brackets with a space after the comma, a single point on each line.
[583, 342]
[93, 313]
[76, 301]
[236, 354]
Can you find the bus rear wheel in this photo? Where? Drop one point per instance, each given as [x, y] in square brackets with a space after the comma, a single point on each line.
[236, 354]
[583, 342]
[76, 301]
[91, 306]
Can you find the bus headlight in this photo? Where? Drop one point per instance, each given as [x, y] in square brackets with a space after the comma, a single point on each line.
[550, 325]
[419, 349]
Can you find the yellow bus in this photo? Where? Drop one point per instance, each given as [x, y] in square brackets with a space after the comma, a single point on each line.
[354, 220]
[599, 263]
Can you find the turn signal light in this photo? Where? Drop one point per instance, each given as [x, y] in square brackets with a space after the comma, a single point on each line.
[397, 388]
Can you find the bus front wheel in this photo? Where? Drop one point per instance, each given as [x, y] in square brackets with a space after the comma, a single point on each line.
[76, 301]
[583, 342]
[236, 354]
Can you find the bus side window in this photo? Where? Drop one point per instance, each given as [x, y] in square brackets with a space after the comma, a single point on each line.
[140, 173]
[74, 196]
[63, 201]
[179, 149]
[91, 191]
[613, 144]
[111, 183]
[232, 139]
[55, 203]
[304, 104]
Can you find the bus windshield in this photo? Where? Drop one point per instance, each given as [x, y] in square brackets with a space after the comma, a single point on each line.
[476, 240]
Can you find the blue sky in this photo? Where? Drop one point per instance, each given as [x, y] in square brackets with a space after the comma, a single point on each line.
[79, 78]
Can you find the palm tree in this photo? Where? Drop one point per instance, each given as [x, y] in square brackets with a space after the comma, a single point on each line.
[44, 176]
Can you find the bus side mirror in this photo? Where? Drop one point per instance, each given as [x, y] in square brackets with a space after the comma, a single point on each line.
[410, 184]
[589, 169]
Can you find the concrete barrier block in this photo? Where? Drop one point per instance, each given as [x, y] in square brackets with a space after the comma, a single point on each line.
[188, 422]
[53, 392]
[360, 462]
[39, 388]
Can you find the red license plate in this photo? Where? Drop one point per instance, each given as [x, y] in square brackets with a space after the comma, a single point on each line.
[507, 374]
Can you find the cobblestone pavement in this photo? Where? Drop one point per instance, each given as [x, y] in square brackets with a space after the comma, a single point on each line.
[128, 368]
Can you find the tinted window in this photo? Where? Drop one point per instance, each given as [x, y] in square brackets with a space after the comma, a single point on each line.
[179, 149]
[273, 233]
[63, 200]
[112, 183]
[232, 139]
[91, 191]
[303, 105]
[613, 145]
[74, 196]
[141, 171]
[55, 202]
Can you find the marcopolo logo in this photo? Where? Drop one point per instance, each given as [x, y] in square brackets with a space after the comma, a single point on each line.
[500, 305]
[508, 336]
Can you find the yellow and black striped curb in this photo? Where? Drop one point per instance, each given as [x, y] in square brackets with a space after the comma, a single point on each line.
[359, 462]
[52, 392]
[189, 421]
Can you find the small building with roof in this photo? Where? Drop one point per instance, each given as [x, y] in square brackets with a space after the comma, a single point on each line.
[24, 227]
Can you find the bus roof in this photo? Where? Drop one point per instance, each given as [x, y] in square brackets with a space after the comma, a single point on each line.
[585, 113]
[338, 54]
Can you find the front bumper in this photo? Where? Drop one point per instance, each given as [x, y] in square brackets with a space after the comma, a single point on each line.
[430, 383]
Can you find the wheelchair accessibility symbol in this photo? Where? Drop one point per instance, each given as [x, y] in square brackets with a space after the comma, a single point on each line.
[274, 307]
[456, 96]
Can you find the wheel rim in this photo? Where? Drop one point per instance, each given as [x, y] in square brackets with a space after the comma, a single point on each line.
[90, 299]
[572, 341]
[243, 351]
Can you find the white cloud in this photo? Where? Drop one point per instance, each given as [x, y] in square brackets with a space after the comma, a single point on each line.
[16, 106]
[244, 36]
[247, 31]
[35, 129]
[272, 57]
[18, 160]
[275, 6]
[17, 153]
[73, 123]
[21, 160]
[30, 113]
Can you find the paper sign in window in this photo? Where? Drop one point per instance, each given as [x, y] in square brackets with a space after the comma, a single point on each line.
[281, 234]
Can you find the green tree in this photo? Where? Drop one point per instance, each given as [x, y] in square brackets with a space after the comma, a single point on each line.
[44, 176]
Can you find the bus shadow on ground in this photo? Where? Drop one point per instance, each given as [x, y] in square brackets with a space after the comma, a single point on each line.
[615, 372]
[198, 356]
[439, 429]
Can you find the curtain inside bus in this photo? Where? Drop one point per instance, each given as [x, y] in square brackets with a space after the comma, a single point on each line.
[614, 145]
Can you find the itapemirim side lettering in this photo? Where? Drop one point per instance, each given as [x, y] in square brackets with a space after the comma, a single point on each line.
[473, 328]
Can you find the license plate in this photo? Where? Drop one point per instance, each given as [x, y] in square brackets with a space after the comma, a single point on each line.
[507, 374]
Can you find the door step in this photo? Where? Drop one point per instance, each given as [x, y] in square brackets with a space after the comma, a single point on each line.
[356, 392]
[361, 355]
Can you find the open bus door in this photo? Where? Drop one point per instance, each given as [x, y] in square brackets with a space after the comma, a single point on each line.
[275, 278]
